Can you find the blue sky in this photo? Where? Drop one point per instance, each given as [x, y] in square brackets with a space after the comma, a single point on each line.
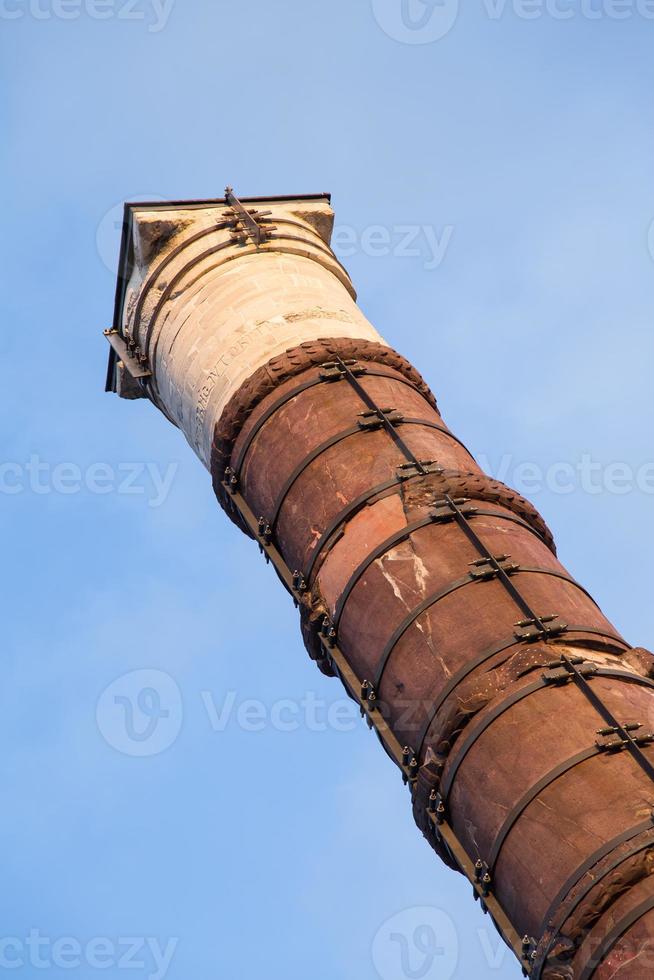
[522, 145]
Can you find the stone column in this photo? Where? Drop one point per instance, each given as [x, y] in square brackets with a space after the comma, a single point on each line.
[439, 586]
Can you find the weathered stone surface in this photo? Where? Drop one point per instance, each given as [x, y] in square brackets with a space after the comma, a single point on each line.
[208, 313]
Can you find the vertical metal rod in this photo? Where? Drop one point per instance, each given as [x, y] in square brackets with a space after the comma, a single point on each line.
[474, 538]
[609, 717]
[372, 405]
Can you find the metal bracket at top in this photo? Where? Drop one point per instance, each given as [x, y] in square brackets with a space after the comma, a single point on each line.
[248, 219]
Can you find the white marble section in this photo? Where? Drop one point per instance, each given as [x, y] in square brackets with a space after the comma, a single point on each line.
[221, 316]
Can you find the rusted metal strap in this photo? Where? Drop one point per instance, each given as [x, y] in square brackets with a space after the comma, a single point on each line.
[530, 796]
[293, 393]
[170, 288]
[533, 627]
[397, 538]
[497, 712]
[625, 734]
[489, 903]
[373, 407]
[543, 683]
[362, 426]
[536, 627]
[474, 576]
[478, 544]
[351, 509]
[369, 401]
[177, 251]
[172, 255]
[301, 467]
[197, 260]
[558, 914]
[483, 658]
[331, 651]
[261, 421]
[360, 502]
[609, 941]
[411, 618]
[466, 504]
